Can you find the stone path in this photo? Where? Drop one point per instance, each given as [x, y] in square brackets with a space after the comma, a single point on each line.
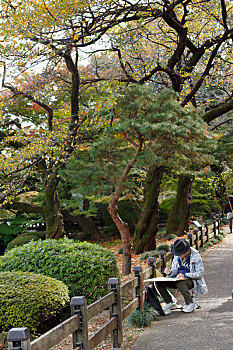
[209, 328]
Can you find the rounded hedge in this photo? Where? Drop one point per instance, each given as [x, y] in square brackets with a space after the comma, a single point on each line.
[28, 299]
[204, 207]
[25, 238]
[163, 247]
[84, 267]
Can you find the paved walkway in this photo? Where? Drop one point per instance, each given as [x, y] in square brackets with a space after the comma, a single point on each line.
[209, 328]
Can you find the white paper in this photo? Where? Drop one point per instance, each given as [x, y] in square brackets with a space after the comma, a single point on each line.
[164, 279]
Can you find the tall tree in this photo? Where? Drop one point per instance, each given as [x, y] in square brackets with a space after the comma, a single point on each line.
[189, 49]
[146, 128]
[39, 35]
[155, 43]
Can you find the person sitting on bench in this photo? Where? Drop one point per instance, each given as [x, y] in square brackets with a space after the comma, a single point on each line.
[187, 263]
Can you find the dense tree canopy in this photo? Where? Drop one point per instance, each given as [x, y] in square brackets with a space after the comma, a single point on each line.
[52, 102]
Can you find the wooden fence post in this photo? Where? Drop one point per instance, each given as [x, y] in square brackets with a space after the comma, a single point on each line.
[190, 238]
[162, 255]
[138, 292]
[152, 263]
[214, 228]
[202, 238]
[207, 232]
[115, 311]
[80, 336]
[196, 238]
[19, 339]
[219, 223]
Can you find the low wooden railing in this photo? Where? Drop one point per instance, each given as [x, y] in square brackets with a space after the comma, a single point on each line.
[77, 324]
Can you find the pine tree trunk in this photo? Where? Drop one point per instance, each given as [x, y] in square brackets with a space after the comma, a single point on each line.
[178, 220]
[147, 226]
[123, 228]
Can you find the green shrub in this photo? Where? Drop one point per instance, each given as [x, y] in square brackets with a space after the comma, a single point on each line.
[208, 244]
[204, 207]
[163, 247]
[199, 207]
[146, 255]
[28, 299]
[120, 250]
[223, 233]
[25, 238]
[143, 318]
[214, 240]
[84, 267]
[171, 236]
[219, 237]
[224, 221]
[166, 205]
[202, 249]
[3, 341]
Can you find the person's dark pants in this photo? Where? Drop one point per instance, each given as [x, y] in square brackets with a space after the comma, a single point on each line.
[230, 225]
[183, 286]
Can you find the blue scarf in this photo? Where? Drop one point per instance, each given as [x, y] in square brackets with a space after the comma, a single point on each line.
[184, 266]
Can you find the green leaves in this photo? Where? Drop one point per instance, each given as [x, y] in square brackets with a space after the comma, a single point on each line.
[170, 135]
[28, 300]
[68, 262]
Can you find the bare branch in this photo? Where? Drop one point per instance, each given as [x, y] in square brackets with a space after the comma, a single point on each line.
[224, 14]
[206, 71]
[222, 123]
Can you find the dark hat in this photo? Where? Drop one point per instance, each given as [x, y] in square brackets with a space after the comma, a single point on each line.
[180, 247]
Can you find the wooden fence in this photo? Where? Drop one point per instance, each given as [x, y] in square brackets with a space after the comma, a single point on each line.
[77, 324]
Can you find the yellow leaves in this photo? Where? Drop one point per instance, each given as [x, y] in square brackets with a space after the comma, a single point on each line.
[217, 136]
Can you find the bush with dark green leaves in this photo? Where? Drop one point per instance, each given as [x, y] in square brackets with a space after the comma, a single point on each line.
[165, 205]
[28, 299]
[204, 207]
[199, 207]
[120, 250]
[171, 236]
[163, 247]
[143, 318]
[25, 238]
[219, 237]
[84, 267]
[214, 240]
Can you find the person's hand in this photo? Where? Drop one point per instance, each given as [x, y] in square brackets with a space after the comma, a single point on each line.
[180, 276]
[167, 270]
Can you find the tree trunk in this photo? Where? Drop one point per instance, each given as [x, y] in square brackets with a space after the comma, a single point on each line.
[51, 205]
[147, 226]
[51, 210]
[86, 224]
[123, 228]
[178, 220]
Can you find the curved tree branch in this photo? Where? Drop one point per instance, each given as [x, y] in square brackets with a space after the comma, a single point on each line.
[17, 92]
[218, 111]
